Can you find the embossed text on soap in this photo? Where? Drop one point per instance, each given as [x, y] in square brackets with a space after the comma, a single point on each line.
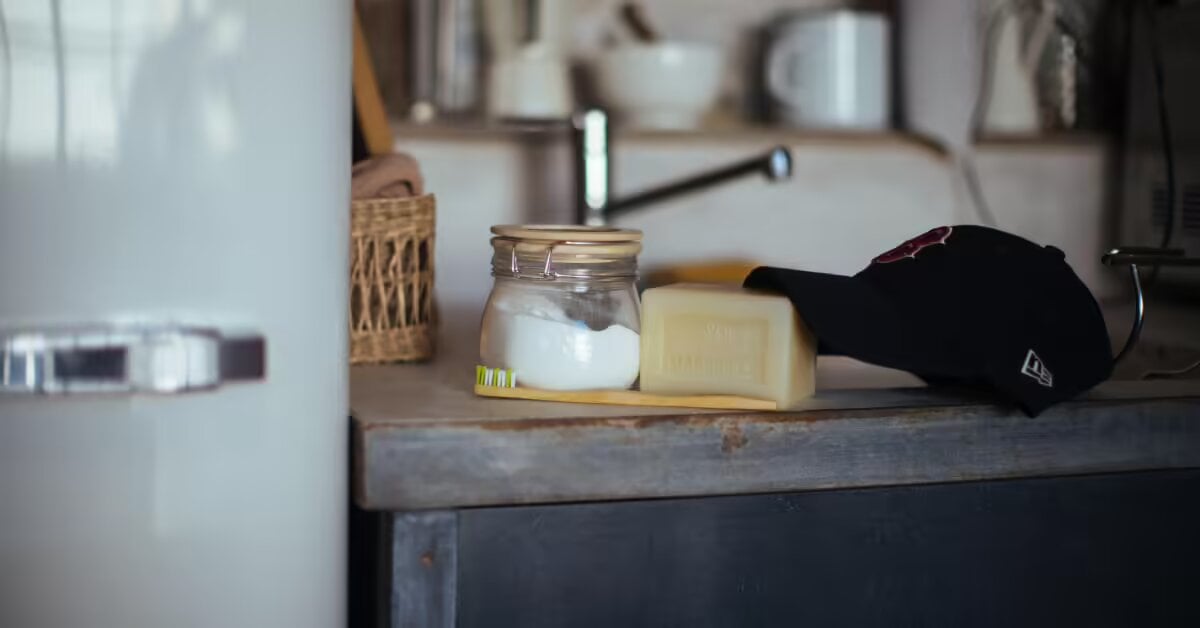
[731, 348]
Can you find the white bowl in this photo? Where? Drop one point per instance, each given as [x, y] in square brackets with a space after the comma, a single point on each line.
[668, 85]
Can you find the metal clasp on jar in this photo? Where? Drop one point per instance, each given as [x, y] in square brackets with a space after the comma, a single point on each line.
[548, 273]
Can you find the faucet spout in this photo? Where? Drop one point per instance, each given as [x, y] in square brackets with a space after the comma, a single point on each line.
[775, 165]
[593, 172]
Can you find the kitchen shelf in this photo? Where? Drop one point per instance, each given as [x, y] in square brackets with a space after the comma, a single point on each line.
[477, 129]
[1053, 140]
[485, 130]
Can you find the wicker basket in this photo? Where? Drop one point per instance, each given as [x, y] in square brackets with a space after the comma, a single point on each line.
[392, 316]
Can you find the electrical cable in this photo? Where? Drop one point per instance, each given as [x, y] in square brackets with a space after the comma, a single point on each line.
[984, 91]
[1164, 122]
[1164, 130]
[1170, 373]
[970, 176]
[964, 158]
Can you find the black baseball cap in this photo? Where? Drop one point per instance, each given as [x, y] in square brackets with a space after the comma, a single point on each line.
[967, 305]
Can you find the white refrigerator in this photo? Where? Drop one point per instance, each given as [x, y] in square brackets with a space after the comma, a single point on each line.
[173, 295]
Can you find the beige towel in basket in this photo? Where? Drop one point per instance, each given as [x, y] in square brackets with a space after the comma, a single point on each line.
[386, 176]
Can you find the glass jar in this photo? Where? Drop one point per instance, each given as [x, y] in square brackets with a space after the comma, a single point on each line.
[564, 312]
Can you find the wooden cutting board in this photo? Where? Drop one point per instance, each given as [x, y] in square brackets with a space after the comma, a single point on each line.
[627, 398]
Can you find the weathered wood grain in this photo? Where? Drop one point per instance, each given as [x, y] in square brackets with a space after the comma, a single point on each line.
[423, 440]
[424, 572]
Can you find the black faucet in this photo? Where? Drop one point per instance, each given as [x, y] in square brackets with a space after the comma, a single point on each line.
[593, 173]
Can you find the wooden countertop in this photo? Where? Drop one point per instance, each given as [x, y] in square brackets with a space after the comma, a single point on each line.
[423, 440]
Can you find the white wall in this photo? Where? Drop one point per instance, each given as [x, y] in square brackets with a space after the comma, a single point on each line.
[848, 201]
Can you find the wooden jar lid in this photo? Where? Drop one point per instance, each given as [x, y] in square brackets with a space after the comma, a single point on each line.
[597, 250]
[570, 240]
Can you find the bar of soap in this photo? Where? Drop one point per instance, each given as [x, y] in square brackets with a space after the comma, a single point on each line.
[709, 339]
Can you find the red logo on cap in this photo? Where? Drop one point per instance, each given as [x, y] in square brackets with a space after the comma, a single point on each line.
[915, 245]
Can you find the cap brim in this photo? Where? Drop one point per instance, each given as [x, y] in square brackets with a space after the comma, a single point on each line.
[851, 317]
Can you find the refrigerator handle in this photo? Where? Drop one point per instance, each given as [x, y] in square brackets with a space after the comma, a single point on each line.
[123, 359]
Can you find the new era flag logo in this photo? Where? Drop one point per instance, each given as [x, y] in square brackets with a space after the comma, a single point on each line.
[1035, 368]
